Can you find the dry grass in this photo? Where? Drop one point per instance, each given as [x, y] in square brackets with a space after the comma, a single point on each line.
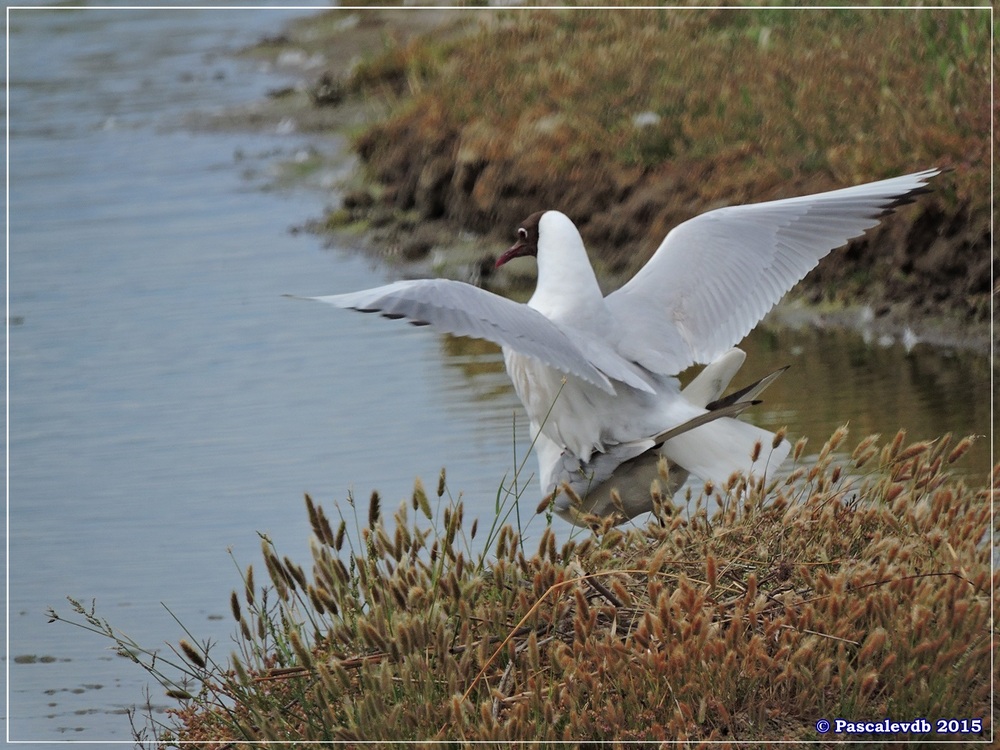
[769, 94]
[858, 587]
[538, 110]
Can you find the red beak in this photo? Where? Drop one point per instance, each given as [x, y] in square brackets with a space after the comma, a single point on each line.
[518, 250]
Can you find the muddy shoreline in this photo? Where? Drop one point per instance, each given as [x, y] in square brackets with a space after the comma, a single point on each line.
[441, 207]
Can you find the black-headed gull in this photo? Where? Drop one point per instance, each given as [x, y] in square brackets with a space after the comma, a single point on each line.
[598, 375]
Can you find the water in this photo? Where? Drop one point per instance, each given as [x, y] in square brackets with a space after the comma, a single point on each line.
[167, 403]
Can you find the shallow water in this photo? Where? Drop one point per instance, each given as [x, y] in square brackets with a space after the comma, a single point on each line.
[167, 403]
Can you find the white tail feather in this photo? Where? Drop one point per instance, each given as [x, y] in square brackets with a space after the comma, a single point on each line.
[714, 451]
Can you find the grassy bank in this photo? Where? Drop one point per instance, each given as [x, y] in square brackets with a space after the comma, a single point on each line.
[856, 588]
[631, 121]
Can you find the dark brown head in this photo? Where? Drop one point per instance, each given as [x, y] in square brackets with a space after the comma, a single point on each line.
[527, 240]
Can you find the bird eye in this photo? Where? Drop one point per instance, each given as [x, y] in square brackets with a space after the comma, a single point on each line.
[522, 233]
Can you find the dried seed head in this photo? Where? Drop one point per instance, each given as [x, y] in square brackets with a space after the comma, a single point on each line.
[313, 518]
[234, 606]
[835, 440]
[755, 453]
[329, 603]
[800, 446]
[959, 450]
[249, 586]
[893, 492]
[372, 637]
[340, 571]
[873, 644]
[616, 501]
[897, 442]
[374, 509]
[914, 450]
[324, 524]
[398, 593]
[279, 576]
[192, 654]
[296, 574]
[656, 496]
[805, 653]
[865, 445]
[543, 542]
[316, 600]
[574, 499]
[869, 683]
[663, 469]
[441, 483]
[779, 435]
[863, 457]
[419, 494]
[305, 658]
[582, 605]
[399, 543]
[941, 445]
[415, 596]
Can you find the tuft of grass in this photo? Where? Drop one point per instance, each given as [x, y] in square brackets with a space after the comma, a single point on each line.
[858, 586]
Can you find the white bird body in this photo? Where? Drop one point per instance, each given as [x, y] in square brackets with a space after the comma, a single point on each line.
[620, 481]
[575, 414]
[579, 417]
[597, 375]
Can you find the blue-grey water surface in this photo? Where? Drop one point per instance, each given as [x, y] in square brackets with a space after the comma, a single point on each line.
[167, 403]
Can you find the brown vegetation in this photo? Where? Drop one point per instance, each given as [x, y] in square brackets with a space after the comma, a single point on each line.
[858, 587]
[631, 121]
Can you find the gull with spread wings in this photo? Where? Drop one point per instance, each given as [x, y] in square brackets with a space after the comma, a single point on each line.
[598, 374]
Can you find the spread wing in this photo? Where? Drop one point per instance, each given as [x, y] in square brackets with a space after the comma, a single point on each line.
[715, 276]
[466, 310]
